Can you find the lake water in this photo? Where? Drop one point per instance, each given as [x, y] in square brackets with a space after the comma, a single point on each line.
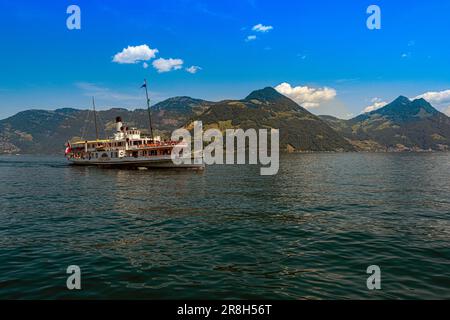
[309, 232]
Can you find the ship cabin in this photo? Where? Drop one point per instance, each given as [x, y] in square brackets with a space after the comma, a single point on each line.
[127, 142]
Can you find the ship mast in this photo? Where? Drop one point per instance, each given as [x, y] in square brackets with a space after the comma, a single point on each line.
[95, 119]
[148, 109]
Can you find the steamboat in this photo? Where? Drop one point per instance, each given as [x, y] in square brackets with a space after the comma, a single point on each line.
[128, 148]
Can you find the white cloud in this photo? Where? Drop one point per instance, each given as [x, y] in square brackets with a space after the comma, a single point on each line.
[135, 54]
[377, 103]
[193, 69]
[262, 28]
[145, 65]
[405, 55]
[447, 111]
[436, 97]
[439, 99]
[166, 65]
[305, 96]
[250, 38]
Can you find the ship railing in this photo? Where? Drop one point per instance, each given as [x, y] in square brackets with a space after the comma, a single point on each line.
[155, 145]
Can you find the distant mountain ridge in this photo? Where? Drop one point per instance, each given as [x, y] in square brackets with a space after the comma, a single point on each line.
[399, 126]
[44, 131]
[402, 125]
[300, 130]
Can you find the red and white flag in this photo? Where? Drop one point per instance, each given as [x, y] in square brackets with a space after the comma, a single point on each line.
[68, 148]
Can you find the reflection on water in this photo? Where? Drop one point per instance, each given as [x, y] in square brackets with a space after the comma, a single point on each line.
[309, 232]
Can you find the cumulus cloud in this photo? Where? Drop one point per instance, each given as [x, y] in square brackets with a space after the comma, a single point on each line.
[135, 54]
[377, 103]
[306, 96]
[166, 65]
[447, 111]
[193, 69]
[262, 28]
[440, 99]
[250, 38]
[436, 97]
[145, 65]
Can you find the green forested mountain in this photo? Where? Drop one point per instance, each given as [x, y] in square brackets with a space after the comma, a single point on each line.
[399, 126]
[300, 130]
[43, 131]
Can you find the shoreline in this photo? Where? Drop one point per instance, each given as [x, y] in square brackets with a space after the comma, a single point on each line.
[281, 152]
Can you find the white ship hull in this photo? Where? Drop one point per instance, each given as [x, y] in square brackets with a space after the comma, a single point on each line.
[156, 162]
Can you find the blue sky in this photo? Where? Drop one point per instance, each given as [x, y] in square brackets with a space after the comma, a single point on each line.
[323, 50]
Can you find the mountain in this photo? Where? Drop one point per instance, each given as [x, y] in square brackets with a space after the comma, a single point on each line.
[173, 113]
[43, 131]
[401, 125]
[183, 105]
[300, 130]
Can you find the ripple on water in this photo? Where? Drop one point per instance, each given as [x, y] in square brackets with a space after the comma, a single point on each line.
[307, 233]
